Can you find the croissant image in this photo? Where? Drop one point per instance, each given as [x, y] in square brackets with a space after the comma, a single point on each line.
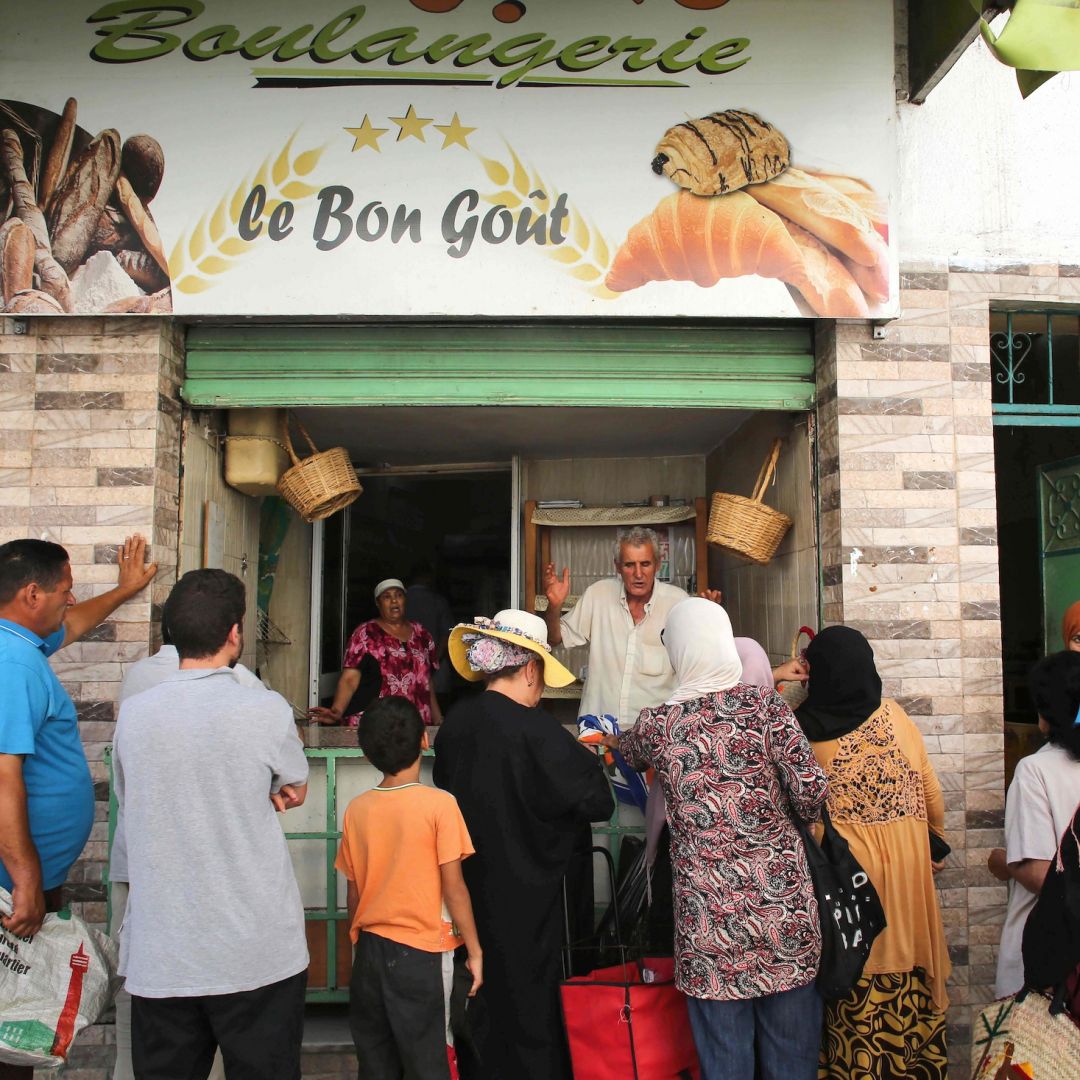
[721, 152]
[688, 238]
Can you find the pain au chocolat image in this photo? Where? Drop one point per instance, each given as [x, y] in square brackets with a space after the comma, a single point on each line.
[721, 152]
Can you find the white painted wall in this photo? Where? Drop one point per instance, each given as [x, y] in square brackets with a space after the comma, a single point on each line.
[987, 177]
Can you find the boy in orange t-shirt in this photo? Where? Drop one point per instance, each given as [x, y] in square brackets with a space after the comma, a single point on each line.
[401, 849]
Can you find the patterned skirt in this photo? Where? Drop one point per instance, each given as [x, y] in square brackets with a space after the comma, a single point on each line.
[887, 1028]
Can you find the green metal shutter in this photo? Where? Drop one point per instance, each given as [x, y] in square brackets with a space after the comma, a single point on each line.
[771, 367]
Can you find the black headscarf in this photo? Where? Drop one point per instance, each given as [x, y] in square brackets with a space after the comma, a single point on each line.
[844, 688]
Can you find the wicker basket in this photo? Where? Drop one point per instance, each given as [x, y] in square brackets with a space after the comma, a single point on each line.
[319, 485]
[747, 526]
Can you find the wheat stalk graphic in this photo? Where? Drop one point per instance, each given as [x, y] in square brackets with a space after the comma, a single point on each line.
[585, 254]
[214, 244]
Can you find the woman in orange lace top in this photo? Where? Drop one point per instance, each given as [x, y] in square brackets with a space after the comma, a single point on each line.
[884, 799]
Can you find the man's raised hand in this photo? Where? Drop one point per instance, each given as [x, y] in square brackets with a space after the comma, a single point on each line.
[556, 589]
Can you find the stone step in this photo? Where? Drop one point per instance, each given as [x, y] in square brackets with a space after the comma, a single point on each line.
[329, 1063]
[328, 1052]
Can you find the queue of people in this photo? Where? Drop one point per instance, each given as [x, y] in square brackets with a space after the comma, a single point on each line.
[213, 947]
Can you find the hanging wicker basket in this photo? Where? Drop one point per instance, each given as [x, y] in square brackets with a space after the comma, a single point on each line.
[747, 526]
[319, 485]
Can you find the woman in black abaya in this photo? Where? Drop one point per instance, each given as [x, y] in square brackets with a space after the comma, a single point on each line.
[525, 787]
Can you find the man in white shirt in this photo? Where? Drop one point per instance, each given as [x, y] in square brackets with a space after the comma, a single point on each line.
[621, 620]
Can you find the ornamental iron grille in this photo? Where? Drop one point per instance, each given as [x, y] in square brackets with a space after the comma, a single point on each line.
[1035, 366]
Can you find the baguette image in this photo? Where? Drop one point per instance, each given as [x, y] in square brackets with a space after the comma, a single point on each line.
[16, 258]
[862, 195]
[721, 152]
[826, 284]
[826, 212]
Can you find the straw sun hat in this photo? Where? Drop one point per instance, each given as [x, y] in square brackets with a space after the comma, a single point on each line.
[518, 627]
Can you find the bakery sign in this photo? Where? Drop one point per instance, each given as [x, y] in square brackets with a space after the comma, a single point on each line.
[448, 157]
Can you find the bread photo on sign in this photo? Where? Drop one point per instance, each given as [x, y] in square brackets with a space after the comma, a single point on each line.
[745, 209]
[721, 152]
[76, 232]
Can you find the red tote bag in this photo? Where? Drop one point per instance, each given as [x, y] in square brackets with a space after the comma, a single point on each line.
[629, 1021]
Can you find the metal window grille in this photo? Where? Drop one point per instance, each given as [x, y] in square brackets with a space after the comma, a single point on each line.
[1035, 366]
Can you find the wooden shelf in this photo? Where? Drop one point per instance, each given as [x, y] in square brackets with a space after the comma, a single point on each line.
[563, 693]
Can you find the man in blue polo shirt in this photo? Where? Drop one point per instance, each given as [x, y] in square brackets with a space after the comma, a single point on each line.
[46, 793]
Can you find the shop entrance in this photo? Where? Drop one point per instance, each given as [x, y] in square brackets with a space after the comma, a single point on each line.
[495, 419]
[1036, 394]
[447, 527]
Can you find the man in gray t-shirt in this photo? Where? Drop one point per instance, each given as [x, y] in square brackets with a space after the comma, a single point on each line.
[213, 946]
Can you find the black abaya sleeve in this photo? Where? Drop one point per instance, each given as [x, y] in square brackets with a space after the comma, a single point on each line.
[570, 779]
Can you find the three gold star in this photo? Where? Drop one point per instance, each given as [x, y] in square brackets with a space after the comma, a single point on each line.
[454, 133]
[411, 124]
[366, 135]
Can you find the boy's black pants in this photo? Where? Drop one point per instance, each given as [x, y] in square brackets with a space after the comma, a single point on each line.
[260, 1033]
[397, 1011]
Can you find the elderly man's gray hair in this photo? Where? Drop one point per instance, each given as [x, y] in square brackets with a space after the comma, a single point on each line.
[638, 536]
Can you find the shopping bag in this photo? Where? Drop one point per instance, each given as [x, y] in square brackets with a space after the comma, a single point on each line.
[52, 985]
[848, 906]
[1021, 1036]
[629, 1021]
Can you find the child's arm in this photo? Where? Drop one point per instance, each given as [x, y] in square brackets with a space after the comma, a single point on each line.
[456, 894]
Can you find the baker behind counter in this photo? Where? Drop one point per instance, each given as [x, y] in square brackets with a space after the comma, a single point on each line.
[622, 620]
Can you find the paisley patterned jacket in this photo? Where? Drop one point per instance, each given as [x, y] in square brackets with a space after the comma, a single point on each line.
[735, 767]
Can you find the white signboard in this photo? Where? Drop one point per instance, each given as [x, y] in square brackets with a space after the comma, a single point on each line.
[448, 157]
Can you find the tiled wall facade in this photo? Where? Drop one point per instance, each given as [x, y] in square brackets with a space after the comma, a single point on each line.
[909, 556]
[90, 453]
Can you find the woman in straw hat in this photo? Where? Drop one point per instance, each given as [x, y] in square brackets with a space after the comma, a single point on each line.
[525, 787]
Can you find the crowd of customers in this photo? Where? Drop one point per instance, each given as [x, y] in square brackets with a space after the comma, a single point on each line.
[455, 894]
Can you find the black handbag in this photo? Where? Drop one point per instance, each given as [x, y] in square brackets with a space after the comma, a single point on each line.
[849, 908]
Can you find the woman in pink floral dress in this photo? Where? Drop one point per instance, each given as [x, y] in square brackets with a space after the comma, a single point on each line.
[387, 656]
[735, 768]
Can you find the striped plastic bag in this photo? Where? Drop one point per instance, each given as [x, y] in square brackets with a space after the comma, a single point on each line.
[52, 985]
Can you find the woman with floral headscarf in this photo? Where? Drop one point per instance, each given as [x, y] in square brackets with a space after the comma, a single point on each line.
[526, 788]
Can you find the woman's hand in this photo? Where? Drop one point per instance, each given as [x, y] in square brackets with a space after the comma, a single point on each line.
[320, 715]
[794, 670]
[610, 741]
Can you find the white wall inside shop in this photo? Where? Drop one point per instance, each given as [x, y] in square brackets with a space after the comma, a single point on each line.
[986, 177]
[202, 483]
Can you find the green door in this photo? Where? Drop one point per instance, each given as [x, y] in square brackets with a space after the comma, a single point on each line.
[1059, 526]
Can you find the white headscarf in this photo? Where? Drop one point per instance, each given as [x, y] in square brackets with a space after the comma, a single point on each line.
[701, 646]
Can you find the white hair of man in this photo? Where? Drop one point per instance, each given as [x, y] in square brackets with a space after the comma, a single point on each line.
[638, 536]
